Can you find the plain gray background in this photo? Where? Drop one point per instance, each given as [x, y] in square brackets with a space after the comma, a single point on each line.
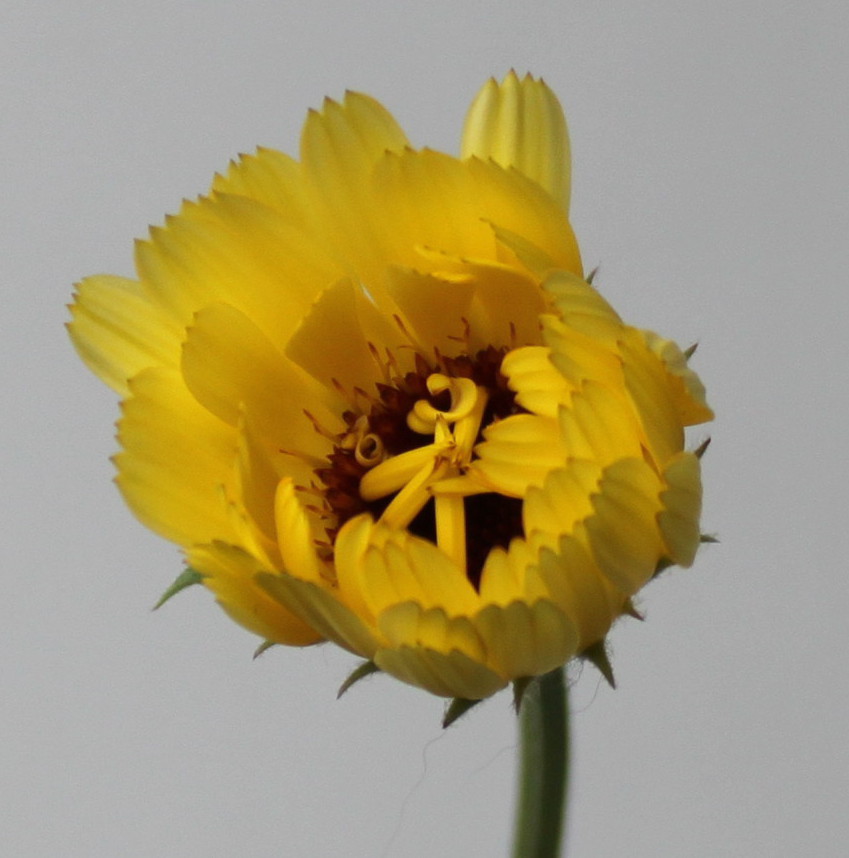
[710, 183]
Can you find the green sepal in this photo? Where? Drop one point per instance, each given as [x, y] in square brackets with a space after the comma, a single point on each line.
[700, 450]
[629, 609]
[688, 353]
[662, 565]
[365, 669]
[708, 538]
[187, 578]
[458, 707]
[265, 645]
[591, 276]
[520, 686]
[597, 655]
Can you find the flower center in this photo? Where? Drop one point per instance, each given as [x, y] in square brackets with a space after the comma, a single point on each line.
[406, 459]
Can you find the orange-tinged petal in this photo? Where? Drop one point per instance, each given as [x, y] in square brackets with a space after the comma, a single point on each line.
[118, 331]
[519, 123]
[230, 572]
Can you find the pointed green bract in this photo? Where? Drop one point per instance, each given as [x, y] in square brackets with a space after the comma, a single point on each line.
[597, 655]
[520, 686]
[263, 647]
[365, 669]
[187, 578]
[458, 707]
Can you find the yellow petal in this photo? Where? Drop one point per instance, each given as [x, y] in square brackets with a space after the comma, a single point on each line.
[648, 385]
[623, 532]
[353, 338]
[407, 623]
[508, 575]
[297, 534]
[520, 124]
[582, 308]
[687, 388]
[578, 587]
[431, 200]
[507, 306]
[519, 451]
[515, 205]
[526, 640]
[538, 384]
[564, 500]
[233, 249]
[269, 177]
[682, 501]
[176, 461]
[579, 358]
[229, 365]
[230, 573]
[386, 566]
[433, 308]
[118, 331]
[339, 148]
[451, 674]
[320, 609]
[600, 425]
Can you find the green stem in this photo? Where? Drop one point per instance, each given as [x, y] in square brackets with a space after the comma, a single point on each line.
[544, 768]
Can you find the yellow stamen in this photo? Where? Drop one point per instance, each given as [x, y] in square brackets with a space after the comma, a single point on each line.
[451, 527]
[408, 503]
[391, 475]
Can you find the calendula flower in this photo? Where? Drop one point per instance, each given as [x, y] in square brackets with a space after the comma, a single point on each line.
[372, 396]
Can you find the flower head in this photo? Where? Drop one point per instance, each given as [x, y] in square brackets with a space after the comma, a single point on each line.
[372, 396]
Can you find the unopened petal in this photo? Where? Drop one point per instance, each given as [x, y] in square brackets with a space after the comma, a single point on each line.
[519, 123]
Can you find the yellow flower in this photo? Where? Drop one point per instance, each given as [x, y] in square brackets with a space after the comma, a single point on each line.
[373, 398]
